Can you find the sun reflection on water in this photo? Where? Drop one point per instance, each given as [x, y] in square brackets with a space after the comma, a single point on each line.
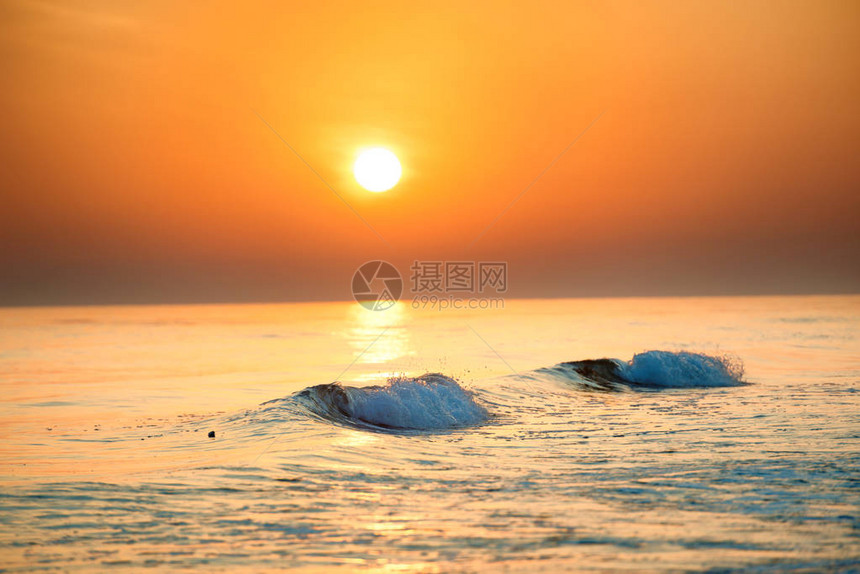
[378, 337]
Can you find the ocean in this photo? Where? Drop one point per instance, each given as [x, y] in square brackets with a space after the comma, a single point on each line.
[661, 434]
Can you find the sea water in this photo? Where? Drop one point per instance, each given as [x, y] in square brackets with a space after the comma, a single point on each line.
[617, 434]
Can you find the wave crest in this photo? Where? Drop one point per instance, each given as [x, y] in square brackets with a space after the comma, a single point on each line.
[655, 369]
[429, 402]
[683, 369]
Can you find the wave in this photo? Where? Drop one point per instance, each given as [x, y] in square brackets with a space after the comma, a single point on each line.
[653, 369]
[429, 402]
[434, 401]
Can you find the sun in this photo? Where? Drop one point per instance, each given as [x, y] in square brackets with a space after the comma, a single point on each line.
[377, 169]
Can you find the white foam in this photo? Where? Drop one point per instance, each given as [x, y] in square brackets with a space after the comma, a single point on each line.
[428, 402]
[682, 369]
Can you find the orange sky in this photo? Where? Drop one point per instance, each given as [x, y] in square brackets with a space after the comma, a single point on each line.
[133, 167]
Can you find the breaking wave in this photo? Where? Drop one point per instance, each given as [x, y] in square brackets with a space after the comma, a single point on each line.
[429, 402]
[653, 369]
[434, 401]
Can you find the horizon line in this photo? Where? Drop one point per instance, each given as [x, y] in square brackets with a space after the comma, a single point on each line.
[226, 302]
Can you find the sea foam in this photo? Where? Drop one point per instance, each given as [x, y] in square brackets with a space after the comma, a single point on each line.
[652, 369]
[682, 369]
[430, 402]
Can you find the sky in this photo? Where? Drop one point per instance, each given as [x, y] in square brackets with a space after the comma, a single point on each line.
[160, 152]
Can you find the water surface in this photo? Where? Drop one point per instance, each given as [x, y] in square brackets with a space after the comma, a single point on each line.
[455, 441]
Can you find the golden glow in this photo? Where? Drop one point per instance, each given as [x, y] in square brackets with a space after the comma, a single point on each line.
[377, 169]
[729, 135]
[369, 348]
